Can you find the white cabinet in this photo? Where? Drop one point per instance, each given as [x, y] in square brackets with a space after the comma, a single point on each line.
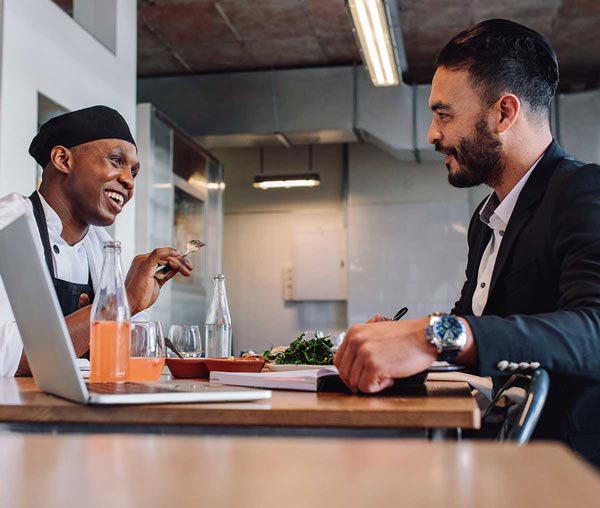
[319, 265]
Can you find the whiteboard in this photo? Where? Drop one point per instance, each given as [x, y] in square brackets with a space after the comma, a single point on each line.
[405, 254]
[320, 265]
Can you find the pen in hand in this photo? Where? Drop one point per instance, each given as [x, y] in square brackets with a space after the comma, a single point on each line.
[400, 313]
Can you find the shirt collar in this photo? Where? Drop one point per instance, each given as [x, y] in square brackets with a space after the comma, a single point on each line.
[487, 210]
[498, 213]
[54, 224]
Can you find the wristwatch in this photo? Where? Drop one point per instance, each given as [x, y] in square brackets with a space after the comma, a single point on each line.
[448, 334]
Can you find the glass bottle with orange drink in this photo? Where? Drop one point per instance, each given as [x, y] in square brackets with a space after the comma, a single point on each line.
[110, 322]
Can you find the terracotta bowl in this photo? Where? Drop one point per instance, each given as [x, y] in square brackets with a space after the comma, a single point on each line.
[235, 364]
[188, 368]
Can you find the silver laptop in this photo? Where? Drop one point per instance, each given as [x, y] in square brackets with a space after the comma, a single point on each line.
[49, 348]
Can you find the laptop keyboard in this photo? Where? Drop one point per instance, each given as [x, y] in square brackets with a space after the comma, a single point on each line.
[127, 388]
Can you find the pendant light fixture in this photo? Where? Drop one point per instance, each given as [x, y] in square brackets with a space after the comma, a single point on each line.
[286, 181]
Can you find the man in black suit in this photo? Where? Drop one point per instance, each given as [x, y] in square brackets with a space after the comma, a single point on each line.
[532, 294]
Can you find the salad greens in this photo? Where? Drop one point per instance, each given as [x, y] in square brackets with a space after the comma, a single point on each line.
[317, 351]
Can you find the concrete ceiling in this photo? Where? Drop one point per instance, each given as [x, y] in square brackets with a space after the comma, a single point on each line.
[571, 26]
[187, 36]
[182, 37]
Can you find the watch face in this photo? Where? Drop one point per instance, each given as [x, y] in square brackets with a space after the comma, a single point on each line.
[450, 330]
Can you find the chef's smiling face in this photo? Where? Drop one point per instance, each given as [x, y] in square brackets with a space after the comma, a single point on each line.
[101, 179]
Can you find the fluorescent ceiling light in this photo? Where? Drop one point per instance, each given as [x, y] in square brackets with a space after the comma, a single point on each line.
[286, 181]
[375, 41]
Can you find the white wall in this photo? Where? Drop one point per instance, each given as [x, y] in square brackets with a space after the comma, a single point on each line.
[257, 247]
[257, 242]
[44, 50]
[407, 243]
[578, 124]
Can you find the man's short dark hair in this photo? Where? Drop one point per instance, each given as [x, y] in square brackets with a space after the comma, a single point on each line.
[502, 56]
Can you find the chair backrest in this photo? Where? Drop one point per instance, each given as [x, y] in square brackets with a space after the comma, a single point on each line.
[527, 417]
[521, 418]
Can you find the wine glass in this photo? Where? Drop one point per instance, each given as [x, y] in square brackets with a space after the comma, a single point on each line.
[187, 340]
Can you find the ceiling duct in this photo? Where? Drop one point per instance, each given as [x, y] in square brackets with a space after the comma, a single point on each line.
[307, 106]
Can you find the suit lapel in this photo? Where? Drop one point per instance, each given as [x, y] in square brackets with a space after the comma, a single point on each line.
[531, 194]
[482, 238]
[516, 223]
[479, 236]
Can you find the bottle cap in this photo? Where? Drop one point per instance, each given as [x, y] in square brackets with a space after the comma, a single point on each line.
[113, 244]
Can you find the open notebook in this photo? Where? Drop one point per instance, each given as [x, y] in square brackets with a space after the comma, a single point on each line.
[312, 380]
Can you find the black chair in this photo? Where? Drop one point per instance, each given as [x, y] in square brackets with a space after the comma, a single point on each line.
[518, 420]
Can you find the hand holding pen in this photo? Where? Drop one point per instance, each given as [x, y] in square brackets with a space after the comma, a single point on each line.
[400, 313]
[378, 317]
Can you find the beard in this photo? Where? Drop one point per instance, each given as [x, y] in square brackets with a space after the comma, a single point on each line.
[479, 158]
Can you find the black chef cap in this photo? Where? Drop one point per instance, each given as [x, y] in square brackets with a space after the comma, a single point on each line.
[76, 128]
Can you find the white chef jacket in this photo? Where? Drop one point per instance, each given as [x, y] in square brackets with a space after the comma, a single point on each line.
[70, 261]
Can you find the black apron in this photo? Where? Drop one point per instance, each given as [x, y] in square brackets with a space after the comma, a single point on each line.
[68, 292]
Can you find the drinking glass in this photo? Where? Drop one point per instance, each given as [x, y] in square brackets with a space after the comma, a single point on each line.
[313, 334]
[146, 352]
[337, 339]
[187, 340]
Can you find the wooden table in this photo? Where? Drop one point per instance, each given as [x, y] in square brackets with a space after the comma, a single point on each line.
[100, 470]
[446, 405]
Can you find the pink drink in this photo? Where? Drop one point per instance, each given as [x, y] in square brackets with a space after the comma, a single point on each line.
[109, 351]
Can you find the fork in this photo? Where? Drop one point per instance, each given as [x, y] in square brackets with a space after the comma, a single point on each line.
[192, 246]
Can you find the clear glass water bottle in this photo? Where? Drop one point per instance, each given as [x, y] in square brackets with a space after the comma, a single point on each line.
[110, 321]
[218, 322]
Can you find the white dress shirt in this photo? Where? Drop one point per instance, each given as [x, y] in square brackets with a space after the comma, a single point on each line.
[495, 215]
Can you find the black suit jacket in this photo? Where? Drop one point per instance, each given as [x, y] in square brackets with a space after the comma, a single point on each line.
[544, 298]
